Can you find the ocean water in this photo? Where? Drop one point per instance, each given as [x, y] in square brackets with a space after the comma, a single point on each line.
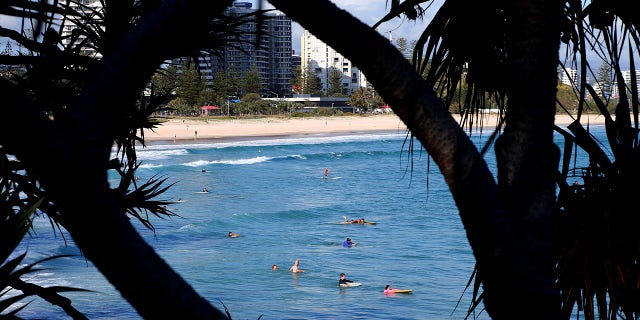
[272, 192]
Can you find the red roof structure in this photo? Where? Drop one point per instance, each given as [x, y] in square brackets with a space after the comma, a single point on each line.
[209, 110]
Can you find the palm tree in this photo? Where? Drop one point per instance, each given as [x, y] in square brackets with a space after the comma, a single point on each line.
[507, 52]
[509, 220]
[75, 108]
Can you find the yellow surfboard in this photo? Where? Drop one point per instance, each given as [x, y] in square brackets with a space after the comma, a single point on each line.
[402, 291]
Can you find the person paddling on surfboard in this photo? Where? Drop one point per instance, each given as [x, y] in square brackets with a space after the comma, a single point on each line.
[361, 220]
[389, 290]
[348, 243]
[392, 291]
[343, 280]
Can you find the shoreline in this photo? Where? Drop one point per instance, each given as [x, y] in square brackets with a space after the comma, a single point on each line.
[182, 130]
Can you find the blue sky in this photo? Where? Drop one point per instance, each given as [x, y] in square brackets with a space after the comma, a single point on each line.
[369, 12]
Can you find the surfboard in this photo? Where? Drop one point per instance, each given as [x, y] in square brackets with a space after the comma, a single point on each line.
[366, 222]
[235, 235]
[402, 291]
[202, 192]
[350, 284]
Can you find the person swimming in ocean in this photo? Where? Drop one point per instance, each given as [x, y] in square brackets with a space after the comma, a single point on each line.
[348, 243]
[295, 268]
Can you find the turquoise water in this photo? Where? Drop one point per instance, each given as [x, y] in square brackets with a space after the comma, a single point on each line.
[272, 193]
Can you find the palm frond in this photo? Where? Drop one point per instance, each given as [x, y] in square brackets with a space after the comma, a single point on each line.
[10, 280]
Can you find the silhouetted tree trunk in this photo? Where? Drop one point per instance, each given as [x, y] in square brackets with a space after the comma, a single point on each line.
[79, 153]
[527, 160]
[508, 225]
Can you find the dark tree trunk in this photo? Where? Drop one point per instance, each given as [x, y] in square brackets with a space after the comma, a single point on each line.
[515, 261]
[528, 162]
[80, 151]
[507, 227]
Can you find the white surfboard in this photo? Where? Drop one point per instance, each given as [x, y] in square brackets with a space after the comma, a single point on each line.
[350, 284]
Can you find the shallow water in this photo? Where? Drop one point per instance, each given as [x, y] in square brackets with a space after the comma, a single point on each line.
[272, 193]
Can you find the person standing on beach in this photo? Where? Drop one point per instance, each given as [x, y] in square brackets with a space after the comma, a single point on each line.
[295, 267]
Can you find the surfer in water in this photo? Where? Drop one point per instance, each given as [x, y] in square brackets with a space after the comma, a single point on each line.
[388, 290]
[343, 280]
[295, 267]
[348, 243]
[361, 220]
[326, 173]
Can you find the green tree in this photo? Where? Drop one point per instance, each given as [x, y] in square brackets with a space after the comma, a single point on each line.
[511, 49]
[509, 53]
[233, 79]
[221, 88]
[207, 97]
[403, 47]
[567, 99]
[335, 87]
[364, 99]
[165, 81]
[312, 83]
[297, 80]
[251, 82]
[94, 108]
[189, 87]
[605, 80]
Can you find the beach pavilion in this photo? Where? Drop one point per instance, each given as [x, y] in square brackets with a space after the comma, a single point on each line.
[210, 110]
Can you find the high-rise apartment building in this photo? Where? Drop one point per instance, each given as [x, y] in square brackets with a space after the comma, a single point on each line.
[272, 58]
[89, 9]
[320, 58]
[626, 75]
[568, 76]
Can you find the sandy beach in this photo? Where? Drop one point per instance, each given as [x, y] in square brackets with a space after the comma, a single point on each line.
[197, 128]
